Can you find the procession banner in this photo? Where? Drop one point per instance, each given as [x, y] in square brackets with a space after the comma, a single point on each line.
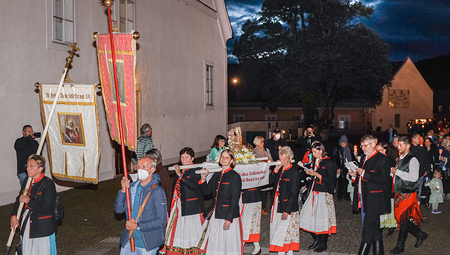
[73, 134]
[125, 49]
[252, 175]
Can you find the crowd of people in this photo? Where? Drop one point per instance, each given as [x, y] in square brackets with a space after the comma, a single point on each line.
[386, 181]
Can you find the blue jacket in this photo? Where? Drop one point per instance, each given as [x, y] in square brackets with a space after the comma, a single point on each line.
[154, 217]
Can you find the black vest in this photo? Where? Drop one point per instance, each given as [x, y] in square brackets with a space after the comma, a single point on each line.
[400, 185]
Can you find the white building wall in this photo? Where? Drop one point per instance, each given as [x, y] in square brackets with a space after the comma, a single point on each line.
[176, 39]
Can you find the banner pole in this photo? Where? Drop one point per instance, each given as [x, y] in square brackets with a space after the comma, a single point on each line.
[119, 116]
[41, 143]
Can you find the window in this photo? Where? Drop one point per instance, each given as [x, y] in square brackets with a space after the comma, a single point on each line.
[126, 10]
[440, 108]
[209, 95]
[397, 120]
[63, 21]
[398, 98]
[271, 117]
[344, 121]
[239, 117]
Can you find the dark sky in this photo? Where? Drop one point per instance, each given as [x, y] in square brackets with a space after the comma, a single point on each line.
[417, 29]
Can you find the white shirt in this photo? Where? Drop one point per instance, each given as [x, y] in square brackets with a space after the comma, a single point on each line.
[413, 174]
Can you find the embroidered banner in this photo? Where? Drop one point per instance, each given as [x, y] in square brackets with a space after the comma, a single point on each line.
[125, 49]
[252, 175]
[73, 134]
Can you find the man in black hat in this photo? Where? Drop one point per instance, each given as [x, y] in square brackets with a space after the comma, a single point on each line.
[275, 143]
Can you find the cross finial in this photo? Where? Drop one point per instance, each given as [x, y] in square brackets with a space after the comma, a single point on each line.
[72, 52]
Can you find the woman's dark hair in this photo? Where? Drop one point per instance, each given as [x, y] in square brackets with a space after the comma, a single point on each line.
[189, 151]
[216, 141]
[155, 154]
[384, 145]
[231, 153]
[429, 139]
[319, 146]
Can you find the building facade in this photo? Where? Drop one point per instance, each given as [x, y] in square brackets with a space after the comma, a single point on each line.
[181, 70]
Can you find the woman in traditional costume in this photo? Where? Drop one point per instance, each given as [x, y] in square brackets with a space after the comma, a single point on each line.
[185, 222]
[318, 215]
[284, 232]
[222, 232]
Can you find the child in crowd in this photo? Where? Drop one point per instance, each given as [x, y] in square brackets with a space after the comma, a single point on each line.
[437, 191]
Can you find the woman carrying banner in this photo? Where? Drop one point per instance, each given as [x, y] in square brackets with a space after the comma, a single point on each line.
[284, 232]
[222, 232]
[37, 224]
[185, 221]
[318, 215]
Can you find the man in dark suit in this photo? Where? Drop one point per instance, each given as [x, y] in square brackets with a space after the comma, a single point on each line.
[372, 196]
[421, 154]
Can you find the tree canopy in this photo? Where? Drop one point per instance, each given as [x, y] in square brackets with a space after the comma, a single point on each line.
[313, 52]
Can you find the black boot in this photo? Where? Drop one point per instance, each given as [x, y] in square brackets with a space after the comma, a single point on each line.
[400, 247]
[420, 238]
[364, 249]
[316, 243]
[391, 231]
[323, 240]
[377, 247]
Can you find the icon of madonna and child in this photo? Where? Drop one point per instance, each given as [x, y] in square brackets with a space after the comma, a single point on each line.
[71, 128]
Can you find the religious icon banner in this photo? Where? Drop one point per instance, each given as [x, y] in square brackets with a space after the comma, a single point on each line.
[73, 133]
[125, 49]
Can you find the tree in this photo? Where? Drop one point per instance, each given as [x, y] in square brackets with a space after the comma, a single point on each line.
[313, 52]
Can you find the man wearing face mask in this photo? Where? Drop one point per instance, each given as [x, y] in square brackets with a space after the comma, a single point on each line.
[149, 228]
[275, 143]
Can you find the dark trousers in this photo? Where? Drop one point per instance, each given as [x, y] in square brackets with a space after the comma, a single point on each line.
[371, 228]
[341, 186]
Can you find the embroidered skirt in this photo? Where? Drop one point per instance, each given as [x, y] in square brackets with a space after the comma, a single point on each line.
[284, 234]
[182, 232]
[388, 220]
[318, 214]
[251, 222]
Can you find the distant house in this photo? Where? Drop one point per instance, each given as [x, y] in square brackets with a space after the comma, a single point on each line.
[409, 98]
[181, 72]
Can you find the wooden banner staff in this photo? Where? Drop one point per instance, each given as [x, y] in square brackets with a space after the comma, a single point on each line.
[213, 170]
[44, 135]
[119, 113]
[203, 164]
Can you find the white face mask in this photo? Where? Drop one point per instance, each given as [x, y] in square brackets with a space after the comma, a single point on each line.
[277, 136]
[142, 174]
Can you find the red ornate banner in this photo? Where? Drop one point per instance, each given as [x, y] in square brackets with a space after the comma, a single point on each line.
[125, 49]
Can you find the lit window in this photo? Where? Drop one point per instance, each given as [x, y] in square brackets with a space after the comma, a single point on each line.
[440, 108]
[344, 121]
[63, 21]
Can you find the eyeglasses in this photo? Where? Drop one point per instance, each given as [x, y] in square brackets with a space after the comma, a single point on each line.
[30, 166]
[365, 145]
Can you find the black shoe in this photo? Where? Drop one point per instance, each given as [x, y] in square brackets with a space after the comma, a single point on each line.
[316, 243]
[398, 249]
[364, 249]
[420, 238]
[391, 231]
[323, 239]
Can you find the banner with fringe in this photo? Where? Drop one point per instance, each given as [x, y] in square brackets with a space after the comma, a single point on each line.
[73, 134]
[125, 49]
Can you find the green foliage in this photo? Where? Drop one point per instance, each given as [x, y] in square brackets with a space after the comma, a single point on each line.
[313, 52]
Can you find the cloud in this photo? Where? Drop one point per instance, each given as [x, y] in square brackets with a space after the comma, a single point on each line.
[240, 11]
[415, 28]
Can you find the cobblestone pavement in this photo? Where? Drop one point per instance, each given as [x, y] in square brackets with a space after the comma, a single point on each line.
[347, 239]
